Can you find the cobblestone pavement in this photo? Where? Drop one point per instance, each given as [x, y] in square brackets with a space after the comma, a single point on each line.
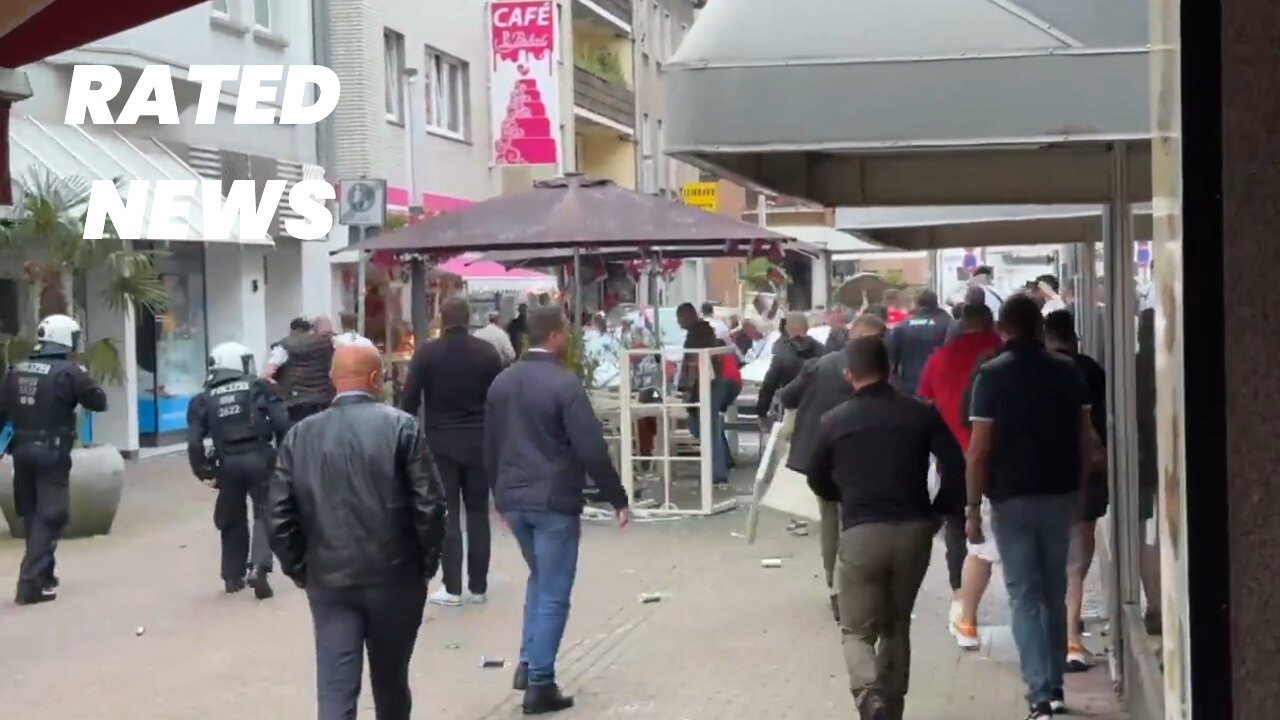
[142, 630]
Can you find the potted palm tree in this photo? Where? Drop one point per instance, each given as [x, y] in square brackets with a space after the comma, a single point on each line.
[45, 232]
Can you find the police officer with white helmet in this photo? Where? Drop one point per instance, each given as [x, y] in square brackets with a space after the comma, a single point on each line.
[241, 414]
[39, 396]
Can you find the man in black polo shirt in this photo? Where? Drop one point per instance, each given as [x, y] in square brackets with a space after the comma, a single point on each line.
[1030, 453]
[872, 457]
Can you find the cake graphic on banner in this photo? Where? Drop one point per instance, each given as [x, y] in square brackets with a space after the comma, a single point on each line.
[524, 91]
[526, 137]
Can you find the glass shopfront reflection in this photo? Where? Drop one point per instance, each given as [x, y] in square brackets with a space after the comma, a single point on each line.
[172, 347]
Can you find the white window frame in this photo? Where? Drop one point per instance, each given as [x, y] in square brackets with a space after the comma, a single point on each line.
[224, 11]
[655, 33]
[660, 159]
[443, 97]
[271, 11]
[393, 60]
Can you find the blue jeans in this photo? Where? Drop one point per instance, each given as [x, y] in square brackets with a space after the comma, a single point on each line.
[549, 543]
[723, 392]
[1033, 534]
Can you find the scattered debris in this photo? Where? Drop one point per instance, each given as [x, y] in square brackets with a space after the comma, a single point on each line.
[737, 535]
[799, 531]
[493, 662]
[796, 524]
[771, 563]
[651, 597]
[140, 631]
[452, 646]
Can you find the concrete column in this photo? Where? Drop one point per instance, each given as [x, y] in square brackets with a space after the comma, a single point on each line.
[118, 426]
[236, 297]
[820, 281]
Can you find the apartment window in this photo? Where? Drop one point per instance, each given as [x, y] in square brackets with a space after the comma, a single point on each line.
[220, 8]
[663, 180]
[642, 25]
[667, 47]
[261, 13]
[655, 33]
[393, 58]
[446, 87]
[648, 179]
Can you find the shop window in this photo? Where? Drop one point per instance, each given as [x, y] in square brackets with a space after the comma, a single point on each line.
[393, 58]
[172, 349]
[9, 308]
[262, 14]
[220, 7]
[447, 87]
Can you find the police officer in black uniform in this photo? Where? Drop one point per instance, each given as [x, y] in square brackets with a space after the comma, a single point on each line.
[39, 396]
[241, 414]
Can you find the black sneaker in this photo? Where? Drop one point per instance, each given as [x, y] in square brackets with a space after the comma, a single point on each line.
[835, 607]
[232, 586]
[34, 597]
[52, 583]
[1040, 711]
[1058, 704]
[261, 586]
[543, 699]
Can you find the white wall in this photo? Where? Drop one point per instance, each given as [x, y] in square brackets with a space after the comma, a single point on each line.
[191, 37]
[447, 166]
[235, 311]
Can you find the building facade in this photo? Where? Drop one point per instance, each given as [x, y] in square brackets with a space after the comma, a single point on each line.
[219, 291]
[604, 88]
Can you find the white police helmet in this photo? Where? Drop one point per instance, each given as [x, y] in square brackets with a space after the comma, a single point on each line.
[59, 330]
[232, 356]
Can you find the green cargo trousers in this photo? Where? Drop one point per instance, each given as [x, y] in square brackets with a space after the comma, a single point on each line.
[881, 568]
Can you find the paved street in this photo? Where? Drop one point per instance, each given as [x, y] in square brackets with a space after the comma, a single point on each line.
[730, 639]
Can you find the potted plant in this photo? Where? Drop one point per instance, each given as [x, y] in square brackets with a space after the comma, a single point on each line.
[46, 230]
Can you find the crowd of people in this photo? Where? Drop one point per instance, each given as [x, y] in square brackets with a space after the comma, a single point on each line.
[1002, 405]
[363, 502]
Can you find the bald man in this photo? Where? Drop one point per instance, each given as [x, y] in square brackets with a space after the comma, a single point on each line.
[356, 516]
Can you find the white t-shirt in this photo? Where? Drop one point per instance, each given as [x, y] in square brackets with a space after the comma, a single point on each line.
[279, 356]
[721, 330]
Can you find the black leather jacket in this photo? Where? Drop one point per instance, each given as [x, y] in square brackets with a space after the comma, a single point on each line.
[356, 498]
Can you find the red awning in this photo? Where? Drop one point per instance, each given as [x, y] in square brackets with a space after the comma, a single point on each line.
[67, 24]
[63, 25]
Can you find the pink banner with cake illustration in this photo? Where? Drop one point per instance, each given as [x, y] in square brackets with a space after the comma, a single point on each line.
[524, 91]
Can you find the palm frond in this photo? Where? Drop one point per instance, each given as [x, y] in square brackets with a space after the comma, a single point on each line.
[101, 359]
[132, 281]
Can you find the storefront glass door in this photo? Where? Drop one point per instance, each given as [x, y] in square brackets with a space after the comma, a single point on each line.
[172, 348]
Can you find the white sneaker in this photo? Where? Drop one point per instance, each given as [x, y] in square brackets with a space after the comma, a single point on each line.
[476, 598]
[444, 598]
[953, 617]
[1079, 659]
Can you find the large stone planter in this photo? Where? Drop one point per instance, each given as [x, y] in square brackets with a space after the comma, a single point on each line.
[97, 482]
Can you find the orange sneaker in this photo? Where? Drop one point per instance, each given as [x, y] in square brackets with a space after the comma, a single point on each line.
[966, 635]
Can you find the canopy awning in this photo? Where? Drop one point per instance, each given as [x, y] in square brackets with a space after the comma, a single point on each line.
[830, 239]
[97, 154]
[957, 226]
[31, 30]
[902, 102]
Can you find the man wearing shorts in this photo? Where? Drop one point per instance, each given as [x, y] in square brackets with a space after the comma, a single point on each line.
[1060, 336]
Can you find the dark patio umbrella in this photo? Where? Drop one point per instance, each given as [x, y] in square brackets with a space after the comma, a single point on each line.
[574, 211]
[616, 253]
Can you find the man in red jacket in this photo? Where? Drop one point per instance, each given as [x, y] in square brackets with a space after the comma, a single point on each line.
[943, 381]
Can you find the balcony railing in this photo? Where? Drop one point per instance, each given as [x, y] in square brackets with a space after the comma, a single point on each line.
[613, 100]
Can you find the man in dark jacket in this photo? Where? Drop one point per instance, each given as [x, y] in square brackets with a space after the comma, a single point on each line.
[820, 387]
[1030, 453]
[541, 441]
[356, 517]
[789, 356]
[837, 321]
[914, 340]
[449, 378]
[518, 328]
[299, 364]
[872, 457]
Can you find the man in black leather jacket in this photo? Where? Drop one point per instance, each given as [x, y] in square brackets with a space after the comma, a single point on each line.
[356, 514]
